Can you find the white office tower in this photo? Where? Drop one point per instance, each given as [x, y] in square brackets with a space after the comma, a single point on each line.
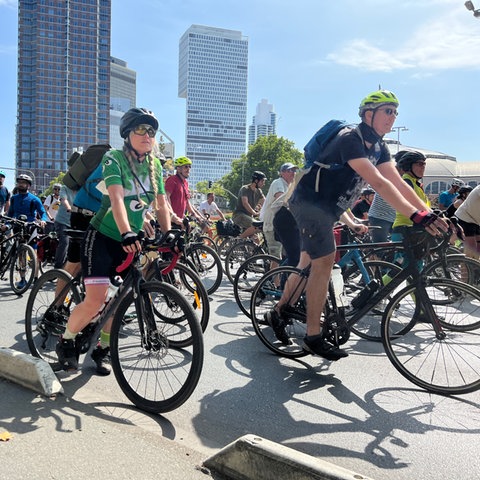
[264, 122]
[213, 71]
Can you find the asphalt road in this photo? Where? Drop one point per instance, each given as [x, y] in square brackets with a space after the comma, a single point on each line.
[358, 413]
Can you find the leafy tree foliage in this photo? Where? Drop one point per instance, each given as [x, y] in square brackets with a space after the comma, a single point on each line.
[267, 155]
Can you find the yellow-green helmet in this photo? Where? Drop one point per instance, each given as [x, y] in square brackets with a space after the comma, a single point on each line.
[181, 161]
[377, 99]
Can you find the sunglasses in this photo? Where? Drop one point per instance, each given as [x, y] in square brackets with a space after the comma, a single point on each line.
[389, 111]
[143, 129]
[187, 166]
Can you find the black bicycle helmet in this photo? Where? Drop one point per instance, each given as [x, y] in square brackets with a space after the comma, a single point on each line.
[257, 176]
[25, 177]
[406, 158]
[135, 117]
[465, 189]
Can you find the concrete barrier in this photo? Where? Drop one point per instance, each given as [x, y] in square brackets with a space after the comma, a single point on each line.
[28, 371]
[256, 458]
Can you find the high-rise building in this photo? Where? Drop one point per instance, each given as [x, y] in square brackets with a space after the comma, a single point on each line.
[263, 123]
[123, 96]
[213, 71]
[63, 82]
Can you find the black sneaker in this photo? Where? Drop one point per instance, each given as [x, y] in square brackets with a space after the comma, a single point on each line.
[101, 356]
[67, 354]
[275, 321]
[317, 345]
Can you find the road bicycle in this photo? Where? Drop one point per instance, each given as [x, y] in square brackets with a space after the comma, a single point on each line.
[16, 256]
[156, 341]
[430, 326]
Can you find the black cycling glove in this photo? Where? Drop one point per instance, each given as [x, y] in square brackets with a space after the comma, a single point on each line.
[129, 238]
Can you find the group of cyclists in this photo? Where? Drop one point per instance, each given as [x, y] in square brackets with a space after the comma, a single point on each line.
[133, 193]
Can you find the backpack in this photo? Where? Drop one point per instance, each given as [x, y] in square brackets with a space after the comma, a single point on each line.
[316, 146]
[82, 165]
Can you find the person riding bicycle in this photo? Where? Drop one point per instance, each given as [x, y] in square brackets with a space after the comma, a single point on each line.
[446, 198]
[132, 181]
[4, 194]
[250, 200]
[178, 193]
[29, 205]
[360, 157]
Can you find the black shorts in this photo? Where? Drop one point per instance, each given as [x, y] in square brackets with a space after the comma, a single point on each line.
[469, 229]
[100, 255]
[78, 221]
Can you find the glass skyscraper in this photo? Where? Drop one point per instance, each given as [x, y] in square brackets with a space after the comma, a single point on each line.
[63, 82]
[123, 96]
[213, 71]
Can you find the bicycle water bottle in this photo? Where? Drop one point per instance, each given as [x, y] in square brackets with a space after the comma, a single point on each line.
[365, 294]
[338, 285]
[113, 286]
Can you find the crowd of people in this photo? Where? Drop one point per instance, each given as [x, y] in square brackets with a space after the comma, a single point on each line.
[297, 217]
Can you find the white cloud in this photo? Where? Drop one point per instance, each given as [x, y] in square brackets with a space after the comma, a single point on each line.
[8, 3]
[450, 42]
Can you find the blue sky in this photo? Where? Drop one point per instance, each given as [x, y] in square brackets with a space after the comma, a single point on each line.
[312, 59]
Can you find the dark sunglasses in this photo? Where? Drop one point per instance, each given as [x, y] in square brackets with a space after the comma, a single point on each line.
[390, 111]
[143, 129]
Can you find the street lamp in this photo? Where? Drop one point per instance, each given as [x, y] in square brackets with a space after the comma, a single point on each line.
[399, 129]
[45, 175]
[476, 11]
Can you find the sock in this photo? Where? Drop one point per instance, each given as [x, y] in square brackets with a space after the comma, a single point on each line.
[104, 339]
[68, 335]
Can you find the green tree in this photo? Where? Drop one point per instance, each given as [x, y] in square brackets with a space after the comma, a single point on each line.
[267, 154]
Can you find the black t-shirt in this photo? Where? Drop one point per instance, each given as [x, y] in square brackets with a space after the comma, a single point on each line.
[360, 208]
[339, 186]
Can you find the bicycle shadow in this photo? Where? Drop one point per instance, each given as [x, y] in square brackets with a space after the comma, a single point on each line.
[283, 386]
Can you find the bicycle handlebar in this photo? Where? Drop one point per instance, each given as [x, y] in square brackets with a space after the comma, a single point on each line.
[166, 243]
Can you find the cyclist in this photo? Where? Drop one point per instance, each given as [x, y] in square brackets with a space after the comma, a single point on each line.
[178, 193]
[361, 157]
[132, 181]
[468, 214]
[52, 204]
[463, 193]
[250, 200]
[446, 198]
[4, 194]
[362, 206]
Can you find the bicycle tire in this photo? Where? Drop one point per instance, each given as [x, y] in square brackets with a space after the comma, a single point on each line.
[369, 326]
[207, 266]
[265, 296]
[43, 321]
[238, 254]
[224, 243]
[206, 240]
[449, 365]
[31, 268]
[160, 376]
[458, 267]
[247, 277]
[188, 283]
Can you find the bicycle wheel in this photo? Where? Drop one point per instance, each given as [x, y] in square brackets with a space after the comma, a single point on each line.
[207, 265]
[368, 327]
[153, 370]
[47, 314]
[247, 277]
[455, 267]
[448, 362]
[206, 240]
[265, 296]
[23, 269]
[224, 244]
[188, 283]
[238, 254]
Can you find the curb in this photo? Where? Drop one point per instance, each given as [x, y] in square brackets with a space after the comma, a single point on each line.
[28, 371]
[256, 458]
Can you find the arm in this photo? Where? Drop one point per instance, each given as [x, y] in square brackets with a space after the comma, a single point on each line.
[387, 182]
[164, 213]
[247, 206]
[353, 222]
